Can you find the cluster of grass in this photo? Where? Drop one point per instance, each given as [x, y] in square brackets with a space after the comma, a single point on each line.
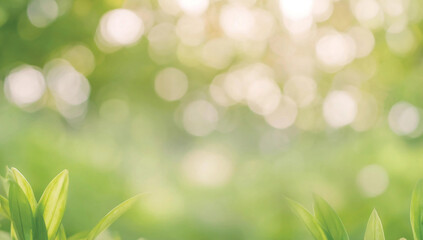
[325, 224]
[42, 220]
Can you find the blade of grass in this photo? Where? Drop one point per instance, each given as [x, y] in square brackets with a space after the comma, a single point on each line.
[416, 211]
[53, 203]
[20, 211]
[110, 217]
[329, 220]
[310, 221]
[374, 230]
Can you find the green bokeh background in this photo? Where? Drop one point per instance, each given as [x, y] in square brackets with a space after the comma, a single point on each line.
[140, 150]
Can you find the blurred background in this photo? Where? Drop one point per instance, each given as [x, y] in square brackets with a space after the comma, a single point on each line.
[216, 110]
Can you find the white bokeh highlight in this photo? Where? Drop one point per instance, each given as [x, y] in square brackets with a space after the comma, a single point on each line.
[200, 118]
[339, 109]
[193, 7]
[403, 118]
[24, 85]
[121, 27]
[171, 84]
[207, 168]
[372, 180]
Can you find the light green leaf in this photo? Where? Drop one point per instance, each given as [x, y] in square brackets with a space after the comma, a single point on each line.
[13, 232]
[4, 204]
[40, 230]
[4, 185]
[25, 186]
[330, 221]
[309, 220]
[79, 236]
[20, 212]
[53, 203]
[374, 230]
[416, 211]
[61, 235]
[112, 216]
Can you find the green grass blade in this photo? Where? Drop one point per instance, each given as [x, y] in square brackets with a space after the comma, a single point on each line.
[53, 203]
[25, 186]
[309, 220]
[40, 230]
[416, 211]
[20, 212]
[61, 235]
[329, 220]
[112, 216]
[374, 230]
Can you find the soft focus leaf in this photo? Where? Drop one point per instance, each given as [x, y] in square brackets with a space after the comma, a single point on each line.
[330, 221]
[4, 185]
[21, 213]
[53, 203]
[112, 216]
[374, 230]
[4, 204]
[310, 221]
[416, 211]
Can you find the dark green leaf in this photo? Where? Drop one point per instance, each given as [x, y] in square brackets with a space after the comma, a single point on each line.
[40, 230]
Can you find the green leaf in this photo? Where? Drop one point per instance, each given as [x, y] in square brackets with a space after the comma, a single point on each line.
[61, 235]
[416, 211]
[40, 230]
[20, 212]
[53, 203]
[79, 236]
[330, 221]
[112, 216]
[13, 232]
[4, 204]
[374, 230]
[310, 221]
[4, 185]
[25, 186]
